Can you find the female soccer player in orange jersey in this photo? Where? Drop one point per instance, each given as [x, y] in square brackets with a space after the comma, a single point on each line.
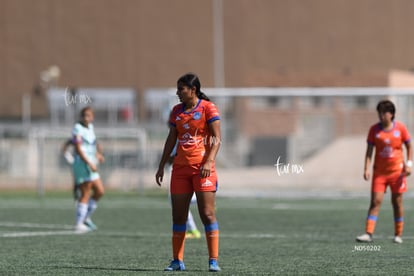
[387, 137]
[195, 124]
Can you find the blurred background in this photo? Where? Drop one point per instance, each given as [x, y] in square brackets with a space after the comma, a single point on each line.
[296, 82]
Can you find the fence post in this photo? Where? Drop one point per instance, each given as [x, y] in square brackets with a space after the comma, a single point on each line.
[40, 164]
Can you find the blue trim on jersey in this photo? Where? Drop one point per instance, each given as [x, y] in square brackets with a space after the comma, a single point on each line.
[408, 141]
[215, 118]
[401, 219]
[179, 227]
[75, 141]
[198, 103]
[211, 227]
[374, 218]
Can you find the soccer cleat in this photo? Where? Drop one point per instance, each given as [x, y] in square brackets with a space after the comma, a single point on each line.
[193, 234]
[89, 223]
[81, 229]
[213, 266]
[397, 239]
[364, 238]
[175, 265]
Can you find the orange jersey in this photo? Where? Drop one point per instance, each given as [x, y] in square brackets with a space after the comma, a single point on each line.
[193, 131]
[388, 147]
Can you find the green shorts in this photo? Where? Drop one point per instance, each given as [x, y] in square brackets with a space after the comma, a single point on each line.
[83, 173]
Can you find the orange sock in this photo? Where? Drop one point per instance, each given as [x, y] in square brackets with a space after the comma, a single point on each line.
[178, 240]
[399, 226]
[370, 225]
[212, 237]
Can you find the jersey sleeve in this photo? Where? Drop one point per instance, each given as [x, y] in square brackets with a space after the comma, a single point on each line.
[371, 136]
[172, 121]
[212, 113]
[76, 134]
[405, 135]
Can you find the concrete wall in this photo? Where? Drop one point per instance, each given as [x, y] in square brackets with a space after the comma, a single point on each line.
[150, 43]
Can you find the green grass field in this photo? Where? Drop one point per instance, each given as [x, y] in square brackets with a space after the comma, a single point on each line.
[258, 237]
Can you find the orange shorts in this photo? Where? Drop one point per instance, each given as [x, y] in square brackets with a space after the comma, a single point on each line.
[186, 179]
[397, 183]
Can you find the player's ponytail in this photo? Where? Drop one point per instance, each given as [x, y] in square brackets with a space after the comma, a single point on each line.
[191, 80]
[202, 96]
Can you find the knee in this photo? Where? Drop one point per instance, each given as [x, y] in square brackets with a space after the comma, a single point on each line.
[208, 216]
[98, 193]
[376, 203]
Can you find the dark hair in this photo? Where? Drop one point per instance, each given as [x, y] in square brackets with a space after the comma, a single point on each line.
[83, 111]
[386, 106]
[191, 80]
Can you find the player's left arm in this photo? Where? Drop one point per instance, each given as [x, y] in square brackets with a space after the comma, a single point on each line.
[215, 140]
[405, 136]
[409, 163]
[99, 153]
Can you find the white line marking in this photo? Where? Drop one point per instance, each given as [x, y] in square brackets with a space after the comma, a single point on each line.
[35, 225]
[36, 234]
[62, 229]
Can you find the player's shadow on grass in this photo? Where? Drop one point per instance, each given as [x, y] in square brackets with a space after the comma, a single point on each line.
[105, 268]
[119, 269]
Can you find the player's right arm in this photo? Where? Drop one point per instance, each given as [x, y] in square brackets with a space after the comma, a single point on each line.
[66, 145]
[168, 148]
[77, 143]
[368, 158]
[67, 154]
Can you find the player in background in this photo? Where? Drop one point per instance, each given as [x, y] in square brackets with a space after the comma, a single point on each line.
[387, 137]
[192, 230]
[87, 156]
[68, 154]
[195, 123]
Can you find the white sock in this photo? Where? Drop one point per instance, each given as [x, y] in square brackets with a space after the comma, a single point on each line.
[191, 226]
[92, 205]
[81, 211]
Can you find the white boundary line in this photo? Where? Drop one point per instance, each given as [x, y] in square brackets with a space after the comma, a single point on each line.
[62, 229]
[35, 225]
[69, 230]
[36, 234]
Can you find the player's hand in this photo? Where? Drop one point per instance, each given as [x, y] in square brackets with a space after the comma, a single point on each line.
[407, 170]
[367, 175]
[205, 169]
[93, 167]
[69, 157]
[100, 157]
[159, 176]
